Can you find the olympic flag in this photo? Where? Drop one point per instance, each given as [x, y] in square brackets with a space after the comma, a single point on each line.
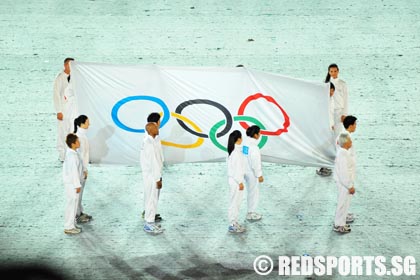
[200, 107]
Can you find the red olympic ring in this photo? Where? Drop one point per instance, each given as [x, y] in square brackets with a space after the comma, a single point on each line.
[250, 98]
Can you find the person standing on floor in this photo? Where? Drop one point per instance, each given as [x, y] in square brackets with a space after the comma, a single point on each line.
[344, 176]
[155, 117]
[151, 167]
[73, 178]
[340, 97]
[81, 124]
[324, 171]
[253, 173]
[60, 84]
[236, 178]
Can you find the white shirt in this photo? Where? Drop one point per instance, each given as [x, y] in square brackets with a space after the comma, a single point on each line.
[340, 95]
[84, 147]
[150, 160]
[253, 157]
[236, 165]
[60, 85]
[344, 168]
[73, 169]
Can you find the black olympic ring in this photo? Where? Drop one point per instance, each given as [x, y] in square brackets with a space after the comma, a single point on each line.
[229, 119]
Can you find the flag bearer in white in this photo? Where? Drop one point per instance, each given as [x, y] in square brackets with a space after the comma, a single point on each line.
[253, 171]
[60, 84]
[155, 117]
[81, 124]
[340, 97]
[324, 171]
[151, 167]
[73, 178]
[236, 177]
[344, 175]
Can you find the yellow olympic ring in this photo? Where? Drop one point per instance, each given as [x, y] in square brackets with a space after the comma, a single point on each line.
[199, 141]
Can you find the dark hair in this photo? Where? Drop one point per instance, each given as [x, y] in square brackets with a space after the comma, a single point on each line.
[68, 59]
[71, 139]
[79, 121]
[153, 117]
[327, 79]
[252, 130]
[233, 137]
[239, 65]
[348, 121]
[332, 86]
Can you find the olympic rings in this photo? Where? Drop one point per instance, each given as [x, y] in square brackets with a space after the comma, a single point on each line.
[117, 106]
[197, 131]
[270, 99]
[225, 111]
[185, 146]
[213, 130]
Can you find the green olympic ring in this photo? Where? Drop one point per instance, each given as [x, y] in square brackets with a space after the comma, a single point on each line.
[213, 130]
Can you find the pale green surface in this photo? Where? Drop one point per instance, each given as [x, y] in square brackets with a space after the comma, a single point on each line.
[375, 43]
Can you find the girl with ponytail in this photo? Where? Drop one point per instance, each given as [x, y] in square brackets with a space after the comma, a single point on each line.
[81, 124]
[340, 97]
[236, 174]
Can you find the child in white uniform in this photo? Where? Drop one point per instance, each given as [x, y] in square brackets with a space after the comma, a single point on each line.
[151, 167]
[344, 175]
[340, 97]
[73, 178]
[81, 124]
[236, 177]
[253, 174]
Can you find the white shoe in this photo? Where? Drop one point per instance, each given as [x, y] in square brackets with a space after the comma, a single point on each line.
[236, 228]
[253, 216]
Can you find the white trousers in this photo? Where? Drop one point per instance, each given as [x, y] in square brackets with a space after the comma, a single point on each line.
[71, 207]
[253, 191]
[61, 140]
[343, 205]
[79, 200]
[338, 124]
[235, 202]
[151, 196]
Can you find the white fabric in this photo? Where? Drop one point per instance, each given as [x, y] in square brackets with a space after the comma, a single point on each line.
[236, 197]
[253, 172]
[70, 110]
[344, 168]
[344, 175]
[60, 84]
[343, 205]
[151, 166]
[117, 99]
[84, 147]
[331, 111]
[73, 179]
[340, 95]
[236, 175]
[236, 166]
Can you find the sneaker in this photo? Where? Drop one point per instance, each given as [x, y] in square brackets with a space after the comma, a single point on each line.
[349, 219]
[82, 219]
[152, 228]
[253, 216]
[72, 231]
[76, 226]
[86, 215]
[236, 228]
[342, 229]
[324, 172]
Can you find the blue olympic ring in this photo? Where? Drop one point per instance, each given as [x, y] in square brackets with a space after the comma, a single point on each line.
[117, 106]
